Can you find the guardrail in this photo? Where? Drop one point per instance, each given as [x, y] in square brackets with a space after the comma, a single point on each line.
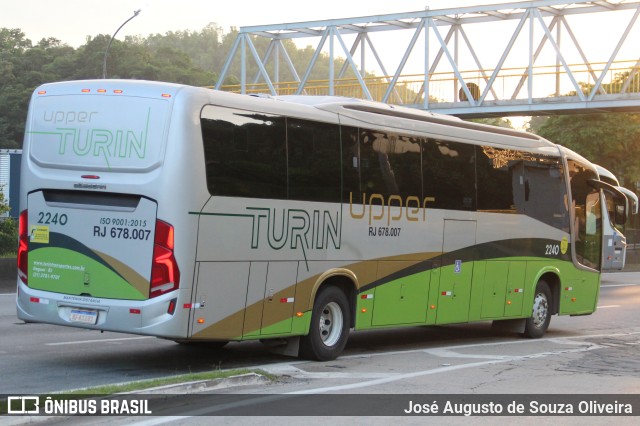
[509, 84]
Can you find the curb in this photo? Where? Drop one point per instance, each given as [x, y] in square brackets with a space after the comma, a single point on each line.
[196, 386]
[204, 385]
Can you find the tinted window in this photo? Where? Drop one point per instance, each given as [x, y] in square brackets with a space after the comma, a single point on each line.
[245, 153]
[448, 170]
[350, 164]
[375, 171]
[389, 164]
[314, 160]
[545, 192]
[587, 215]
[499, 179]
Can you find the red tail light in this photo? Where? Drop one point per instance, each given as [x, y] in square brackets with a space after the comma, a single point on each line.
[23, 246]
[165, 275]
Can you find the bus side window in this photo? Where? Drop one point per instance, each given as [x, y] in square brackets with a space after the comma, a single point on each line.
[350, 164]
[375, 171]
[499, 180]
[544, 175]
[449, 174]
[245, 153]
[313, 161]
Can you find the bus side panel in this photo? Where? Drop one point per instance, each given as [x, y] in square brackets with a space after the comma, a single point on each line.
[401, 301]
[494, 289]
[221, 296]
[457, 271]
[579, 293]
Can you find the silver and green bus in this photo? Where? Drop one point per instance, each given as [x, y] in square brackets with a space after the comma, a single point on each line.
[201, 216]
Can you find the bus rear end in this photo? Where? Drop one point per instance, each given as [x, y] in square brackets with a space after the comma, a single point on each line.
[93, 249]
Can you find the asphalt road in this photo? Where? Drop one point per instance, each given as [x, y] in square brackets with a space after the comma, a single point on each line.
[38, 358]
[596, 354]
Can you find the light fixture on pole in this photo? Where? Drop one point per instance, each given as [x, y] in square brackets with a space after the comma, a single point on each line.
[106, 52]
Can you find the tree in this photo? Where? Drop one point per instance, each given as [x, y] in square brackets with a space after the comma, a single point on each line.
[8, 230]
[611, 140]
[494, 121]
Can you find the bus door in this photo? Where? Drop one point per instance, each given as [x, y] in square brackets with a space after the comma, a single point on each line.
[456, 271]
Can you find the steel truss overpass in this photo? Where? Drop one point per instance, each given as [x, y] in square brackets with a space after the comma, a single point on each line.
[523, 58]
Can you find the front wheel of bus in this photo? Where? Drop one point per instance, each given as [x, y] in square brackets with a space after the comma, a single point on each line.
[330, 323]
[536, 326]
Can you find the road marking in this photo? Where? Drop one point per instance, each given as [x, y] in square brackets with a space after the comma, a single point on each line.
[498, 359]
[81, 342]
[391, 377]
[608, 306]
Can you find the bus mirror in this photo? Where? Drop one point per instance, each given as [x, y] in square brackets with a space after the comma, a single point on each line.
[632, 207]
[620, 214]
[621, 203]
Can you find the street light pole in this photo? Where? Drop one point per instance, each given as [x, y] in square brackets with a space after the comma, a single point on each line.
[106, 52]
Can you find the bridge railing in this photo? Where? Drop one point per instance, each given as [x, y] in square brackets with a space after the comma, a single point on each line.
[509, 84]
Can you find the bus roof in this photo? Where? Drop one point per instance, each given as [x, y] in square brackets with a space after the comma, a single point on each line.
[379, 113]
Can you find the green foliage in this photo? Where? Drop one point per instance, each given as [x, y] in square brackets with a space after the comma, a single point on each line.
[8, 230]
[187, 57]
[610, 140]
[494, 121]
[197, 57]
[8, 237]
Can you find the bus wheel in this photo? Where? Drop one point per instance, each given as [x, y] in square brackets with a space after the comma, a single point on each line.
[329, 330]
[538, 323]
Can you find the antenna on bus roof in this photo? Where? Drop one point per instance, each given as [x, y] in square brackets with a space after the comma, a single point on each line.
[106, 52]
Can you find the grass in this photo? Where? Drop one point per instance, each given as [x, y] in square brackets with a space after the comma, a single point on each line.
[144, 385]
[165, 381]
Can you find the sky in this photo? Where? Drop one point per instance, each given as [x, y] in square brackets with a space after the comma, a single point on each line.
[72, 20]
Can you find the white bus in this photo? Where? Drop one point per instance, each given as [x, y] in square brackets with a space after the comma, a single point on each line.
[198, 215]
[614, 249]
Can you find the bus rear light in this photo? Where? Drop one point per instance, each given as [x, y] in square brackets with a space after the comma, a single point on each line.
[23, 246]
[165, 275]
[172, 306]
[86, 90]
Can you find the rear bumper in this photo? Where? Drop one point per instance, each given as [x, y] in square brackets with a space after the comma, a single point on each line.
[144, 317]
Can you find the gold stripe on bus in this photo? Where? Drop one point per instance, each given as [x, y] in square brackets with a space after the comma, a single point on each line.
[256, 316]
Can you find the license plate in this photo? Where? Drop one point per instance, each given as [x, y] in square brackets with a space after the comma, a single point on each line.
[85, 316]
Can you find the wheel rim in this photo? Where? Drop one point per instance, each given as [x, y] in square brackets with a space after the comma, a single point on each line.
[331, 321]
[540, 310]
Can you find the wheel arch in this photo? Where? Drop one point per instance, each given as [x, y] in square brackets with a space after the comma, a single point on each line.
[552, 277]
[345, 280]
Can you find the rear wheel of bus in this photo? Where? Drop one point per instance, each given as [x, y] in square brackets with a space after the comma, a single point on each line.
[330, 323]
[536, 325]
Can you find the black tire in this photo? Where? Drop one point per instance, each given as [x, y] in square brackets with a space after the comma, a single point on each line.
[536, 325]
[330, 323]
